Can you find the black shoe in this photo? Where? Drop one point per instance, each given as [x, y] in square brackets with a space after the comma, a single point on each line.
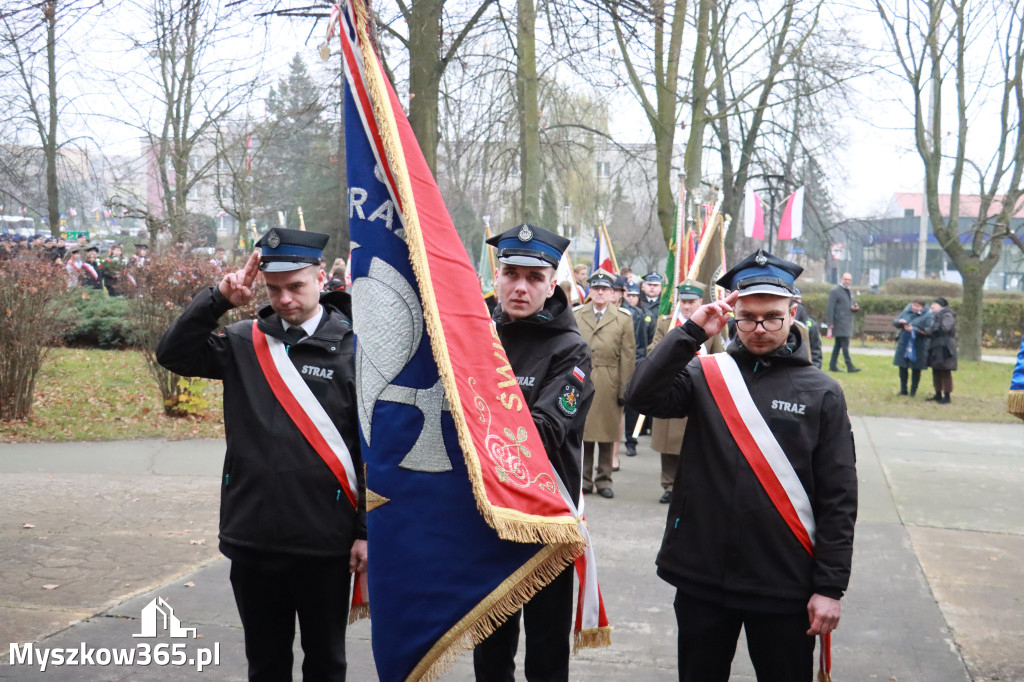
[903, 391]
[833, 369]
[935, 398]
[666, 497]
[853, 370]
[615, 468]
[588, 492]
[606, 493]
[630, 451]
[944, 400]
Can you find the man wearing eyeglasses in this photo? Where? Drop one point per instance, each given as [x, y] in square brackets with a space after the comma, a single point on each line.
[760, 526]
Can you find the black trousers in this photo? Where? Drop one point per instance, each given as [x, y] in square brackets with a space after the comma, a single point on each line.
[548, 623]
[269, 597]
[778, 645]
[631, 416]
[842, 344]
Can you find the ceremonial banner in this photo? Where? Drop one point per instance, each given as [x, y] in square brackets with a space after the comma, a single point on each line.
[466, 518]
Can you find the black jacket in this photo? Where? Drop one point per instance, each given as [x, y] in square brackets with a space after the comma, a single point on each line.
[725, 541]
[543, 350]
[277, 494]
[650, 311]
[639, 329]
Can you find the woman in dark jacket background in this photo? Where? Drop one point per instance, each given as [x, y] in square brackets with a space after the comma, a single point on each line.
[942, 349]
[912, 344]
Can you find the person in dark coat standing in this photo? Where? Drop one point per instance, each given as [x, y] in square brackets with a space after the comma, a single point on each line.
[811, 325]
[631, 303]
[912, 343]
[942, 349]
[839, 315]
[760, 418]
[292, 510]
[549, 356]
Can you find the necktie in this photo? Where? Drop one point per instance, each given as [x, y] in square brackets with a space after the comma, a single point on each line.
[598, 315]
[294, 335]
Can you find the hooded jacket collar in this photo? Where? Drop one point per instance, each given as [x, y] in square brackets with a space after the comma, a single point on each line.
[335, 323]
[793, 353]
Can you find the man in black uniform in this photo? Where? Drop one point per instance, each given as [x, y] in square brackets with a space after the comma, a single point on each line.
[760, 418]
[630, 303]
[292, 518]
[536, 326]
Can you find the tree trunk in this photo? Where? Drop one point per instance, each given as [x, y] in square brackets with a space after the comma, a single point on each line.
[698, 102]
[339, 246]
[529, 114]
[425, 72]
[969, 317]
[50, 143]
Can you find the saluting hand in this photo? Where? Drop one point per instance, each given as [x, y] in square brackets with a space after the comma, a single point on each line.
[713, 317]
[237, 286]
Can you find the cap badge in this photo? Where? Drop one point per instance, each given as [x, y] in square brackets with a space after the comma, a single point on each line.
[525, 233]
[273, 240]
[760, 258]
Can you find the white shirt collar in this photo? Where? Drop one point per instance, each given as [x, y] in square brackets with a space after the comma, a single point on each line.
[310, 325]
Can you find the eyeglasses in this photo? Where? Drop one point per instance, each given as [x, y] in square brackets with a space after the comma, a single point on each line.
[771, 324]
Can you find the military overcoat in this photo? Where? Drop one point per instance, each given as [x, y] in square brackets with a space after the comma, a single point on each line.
[612, 353]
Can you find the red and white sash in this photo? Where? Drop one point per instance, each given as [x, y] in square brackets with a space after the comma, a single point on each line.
[591, 629]
[759, 446]
[91, 270]
[305, 410]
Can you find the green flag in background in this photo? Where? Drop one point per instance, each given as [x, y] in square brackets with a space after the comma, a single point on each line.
[670, 284]
[670, 268]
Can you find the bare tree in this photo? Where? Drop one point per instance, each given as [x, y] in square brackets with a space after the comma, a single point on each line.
[661, 64]
[192, 79]
[29, 40]
[435, 32]
[980, 48]
[780, 119]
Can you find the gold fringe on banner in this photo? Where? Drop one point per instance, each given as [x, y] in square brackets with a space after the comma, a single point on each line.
[510, 526]
[594, 638]
[1015, 404]
[358, 612]
[495, 609]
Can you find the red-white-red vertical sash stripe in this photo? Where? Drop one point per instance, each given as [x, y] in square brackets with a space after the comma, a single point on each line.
[305, 410]
[759, 446]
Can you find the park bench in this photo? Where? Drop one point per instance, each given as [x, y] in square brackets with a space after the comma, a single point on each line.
[877, 325]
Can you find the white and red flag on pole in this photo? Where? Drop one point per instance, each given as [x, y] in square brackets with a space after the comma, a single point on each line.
[792, 225]
[603, 257]
[753, 216]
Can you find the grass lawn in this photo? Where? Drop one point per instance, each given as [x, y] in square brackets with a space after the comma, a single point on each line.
[979, 391]
[105, 395]
[84, 395]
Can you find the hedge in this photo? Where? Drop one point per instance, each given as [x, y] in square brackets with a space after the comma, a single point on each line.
[1003, 317]
[99, 321]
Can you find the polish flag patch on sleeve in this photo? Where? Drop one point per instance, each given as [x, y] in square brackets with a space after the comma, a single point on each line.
[578, 373]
